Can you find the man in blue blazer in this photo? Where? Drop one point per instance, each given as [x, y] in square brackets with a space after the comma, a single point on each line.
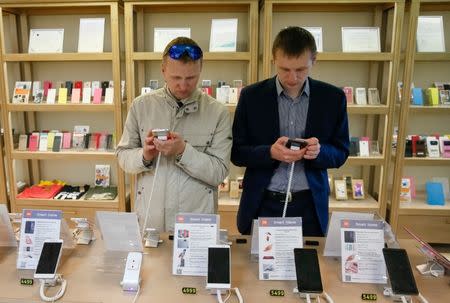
[289, 105]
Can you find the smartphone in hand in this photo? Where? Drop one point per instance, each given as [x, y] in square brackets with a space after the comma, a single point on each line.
[296, 144]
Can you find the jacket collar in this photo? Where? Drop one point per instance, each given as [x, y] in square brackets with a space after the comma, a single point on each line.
[190, 104]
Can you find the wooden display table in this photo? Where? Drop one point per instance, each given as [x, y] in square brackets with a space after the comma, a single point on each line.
[88, 282]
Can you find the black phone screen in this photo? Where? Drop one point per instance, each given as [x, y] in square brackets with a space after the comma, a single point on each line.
[308, 270]
[399, 271]
[219, 265]
[49, 258]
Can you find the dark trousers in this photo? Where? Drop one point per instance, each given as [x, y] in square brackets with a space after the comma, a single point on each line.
[302, 205]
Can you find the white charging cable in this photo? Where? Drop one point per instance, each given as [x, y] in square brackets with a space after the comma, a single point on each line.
[288, 190]
[422, 298]
[53, 282]
[151, 196]
[308, 298]
[137, 294]
[327, 297]
[236, 290]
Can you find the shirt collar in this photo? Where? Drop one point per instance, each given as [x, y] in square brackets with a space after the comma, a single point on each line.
[280, 88]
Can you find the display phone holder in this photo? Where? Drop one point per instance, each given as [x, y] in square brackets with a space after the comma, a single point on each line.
[431, 268]
[227, 292]
[151, 237]
[315, 296]
[16, 220]
[132, 272]
[7, 236]
[223, 237]
[83, 232]
[46, 269]
[131, 275]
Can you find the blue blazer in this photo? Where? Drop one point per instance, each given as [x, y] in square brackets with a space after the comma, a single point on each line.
[256, 127]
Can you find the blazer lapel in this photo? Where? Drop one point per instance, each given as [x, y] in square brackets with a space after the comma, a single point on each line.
[273, 117]
[312, 108]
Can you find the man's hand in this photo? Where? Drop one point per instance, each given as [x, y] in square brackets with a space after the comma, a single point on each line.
[149, 150]
[280, 152]
[313, 148]
[173, 146]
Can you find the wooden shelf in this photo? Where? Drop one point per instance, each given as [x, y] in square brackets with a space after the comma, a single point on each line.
[329, 6]
[58, 57]
[441, 109]
[231, 107]
[228, 204]
[197, 6]
[430, 57]
[367, 109]
[55, 7]
[367, 205]
[63, 155]
[375, 160]
[426, 161]
[419, 206]
[341, 56]
[69, 203]
[31, 107]
[207, 56]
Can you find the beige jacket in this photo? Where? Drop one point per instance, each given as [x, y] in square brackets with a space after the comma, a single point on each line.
[187, 185]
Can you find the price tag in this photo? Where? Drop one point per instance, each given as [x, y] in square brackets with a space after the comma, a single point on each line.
[24, 281]
[369, 297]
[189, 290]
[276, 293]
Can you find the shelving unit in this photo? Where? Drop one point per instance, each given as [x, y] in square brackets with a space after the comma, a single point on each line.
[16, 19]
[142, 64]
[3, 180]
[360, 70]
[431, 222]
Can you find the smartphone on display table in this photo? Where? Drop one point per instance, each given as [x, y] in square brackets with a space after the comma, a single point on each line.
[219, 267]
[399, 271]
[307, 269]
[49, 259]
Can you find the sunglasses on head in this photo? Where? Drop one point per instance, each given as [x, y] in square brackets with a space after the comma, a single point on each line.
[178, 50]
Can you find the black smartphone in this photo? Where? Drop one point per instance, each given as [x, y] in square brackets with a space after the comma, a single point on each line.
[218, 267]
[296, 144]
[308, 270]
[399, 271]
[49, 259]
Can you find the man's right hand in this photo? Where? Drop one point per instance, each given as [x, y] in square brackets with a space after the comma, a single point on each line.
[280, 152]
[149, 151]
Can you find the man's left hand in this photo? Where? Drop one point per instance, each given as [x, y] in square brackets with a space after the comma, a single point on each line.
[173, 146]
[313, 148]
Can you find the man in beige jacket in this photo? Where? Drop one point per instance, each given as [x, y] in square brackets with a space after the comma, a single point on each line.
[195, 158]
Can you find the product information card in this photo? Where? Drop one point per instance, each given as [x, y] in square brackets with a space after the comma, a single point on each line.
[362, 243]
[192, 235]
[277, 239]
[37, 226]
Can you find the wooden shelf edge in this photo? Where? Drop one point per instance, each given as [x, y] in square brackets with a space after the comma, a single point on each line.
[367, 109]
[426, 161]
[441, 109]
[63, 155]
[60, 107]
[341, 56]
[69, 203]
[352, 160]
[59, 57]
